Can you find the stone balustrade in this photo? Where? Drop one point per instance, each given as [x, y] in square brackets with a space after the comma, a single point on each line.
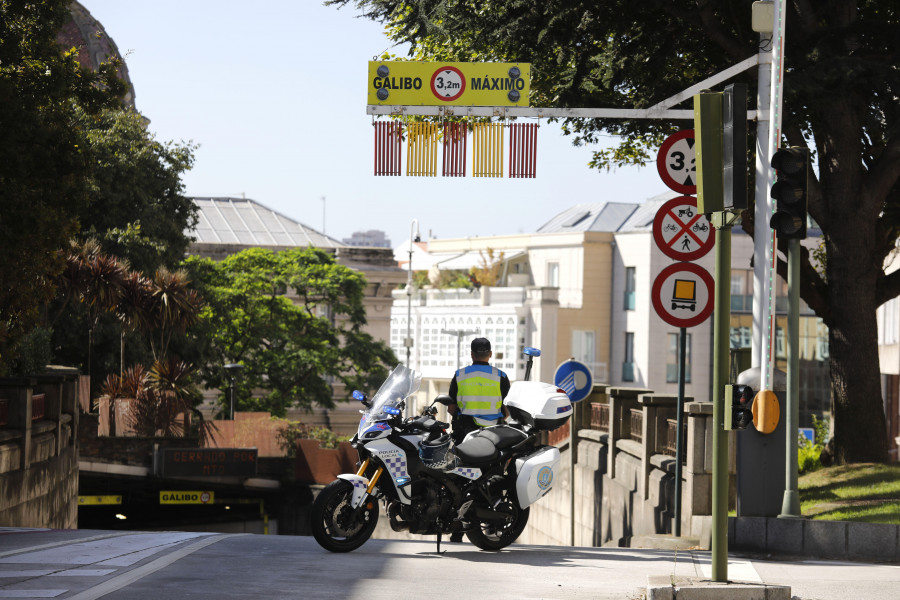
[38, 449]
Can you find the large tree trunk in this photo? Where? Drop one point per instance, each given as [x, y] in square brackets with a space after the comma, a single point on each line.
[858, 411]
[853, 266]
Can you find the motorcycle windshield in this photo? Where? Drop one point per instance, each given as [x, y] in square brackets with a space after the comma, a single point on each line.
[400, 384]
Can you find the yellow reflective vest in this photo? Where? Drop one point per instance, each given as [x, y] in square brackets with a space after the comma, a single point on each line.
[478, 393]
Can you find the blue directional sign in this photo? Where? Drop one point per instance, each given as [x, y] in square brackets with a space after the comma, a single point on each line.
[575, 379]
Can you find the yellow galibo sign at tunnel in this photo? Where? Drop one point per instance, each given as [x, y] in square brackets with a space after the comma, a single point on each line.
[454, 84]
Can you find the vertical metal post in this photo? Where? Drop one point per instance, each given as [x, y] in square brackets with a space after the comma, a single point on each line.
[679, 408]
[232, 397]
[774, 140]
[790, 506]
[762, 239]
[721, 323]
[573, 429]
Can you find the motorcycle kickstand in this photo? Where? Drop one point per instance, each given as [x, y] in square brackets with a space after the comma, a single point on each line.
[440, 528]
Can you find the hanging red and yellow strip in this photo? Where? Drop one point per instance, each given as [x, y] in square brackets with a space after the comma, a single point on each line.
[454, 156]
[487, 150]
[388, 145]
[421, 149]
[523, 149]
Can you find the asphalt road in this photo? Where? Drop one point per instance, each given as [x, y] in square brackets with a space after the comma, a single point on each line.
[119, 565]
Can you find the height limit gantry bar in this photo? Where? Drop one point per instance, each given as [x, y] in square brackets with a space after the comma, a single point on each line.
[526, 111]
[534, 112]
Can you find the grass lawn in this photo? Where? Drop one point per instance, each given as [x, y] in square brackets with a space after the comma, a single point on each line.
[861, 492]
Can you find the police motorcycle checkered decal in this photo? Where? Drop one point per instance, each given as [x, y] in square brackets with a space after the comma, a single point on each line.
[467, 472]
[360, 486]
[396, 465]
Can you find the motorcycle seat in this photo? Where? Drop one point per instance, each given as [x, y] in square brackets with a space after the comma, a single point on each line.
[484, 447]
[502, 436]
[477, 450]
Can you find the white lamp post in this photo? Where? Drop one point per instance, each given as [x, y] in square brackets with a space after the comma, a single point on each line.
[413, 237]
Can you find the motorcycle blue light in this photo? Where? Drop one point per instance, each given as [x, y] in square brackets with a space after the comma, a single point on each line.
[391, 410]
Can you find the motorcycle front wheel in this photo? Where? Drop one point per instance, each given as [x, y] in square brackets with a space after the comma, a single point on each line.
[495, 535]
[336, 525]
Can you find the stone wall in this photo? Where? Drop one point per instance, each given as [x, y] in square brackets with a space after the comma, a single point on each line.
[38, 450]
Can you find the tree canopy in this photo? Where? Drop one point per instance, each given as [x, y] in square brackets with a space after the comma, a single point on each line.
[294, 319]
[43, 158]
[841, 87]
[74, 164]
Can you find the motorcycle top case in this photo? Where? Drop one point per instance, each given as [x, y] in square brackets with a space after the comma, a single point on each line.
[535, 475]
[540, 405]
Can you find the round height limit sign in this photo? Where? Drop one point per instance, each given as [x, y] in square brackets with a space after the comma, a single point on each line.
[448, 83]
[676, 162]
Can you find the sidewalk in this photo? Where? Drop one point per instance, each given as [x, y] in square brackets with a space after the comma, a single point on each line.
[122, 565]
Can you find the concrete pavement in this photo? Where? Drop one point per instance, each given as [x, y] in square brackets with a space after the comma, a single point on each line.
[120, 565]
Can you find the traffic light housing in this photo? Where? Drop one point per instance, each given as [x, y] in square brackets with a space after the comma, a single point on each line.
[790, 191]
[738, 406]
[734, 144]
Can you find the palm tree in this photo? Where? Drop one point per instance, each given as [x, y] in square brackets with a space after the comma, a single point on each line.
[173, 307]
[134, 309]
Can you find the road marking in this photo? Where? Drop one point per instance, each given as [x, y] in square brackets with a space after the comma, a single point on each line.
[54, 544]
[82, 552]
[125, 579]
[83, 573]
[31, 593]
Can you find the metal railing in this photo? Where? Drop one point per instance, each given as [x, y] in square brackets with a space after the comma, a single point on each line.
[637, 424]
[600, 416]
[37, 406]
[671, 438]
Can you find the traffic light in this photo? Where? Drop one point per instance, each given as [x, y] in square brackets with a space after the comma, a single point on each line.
[738, 406]
[734, 143]
[790, 192]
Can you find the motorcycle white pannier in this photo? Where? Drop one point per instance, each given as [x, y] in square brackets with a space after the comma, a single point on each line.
[537, 404]
[536, 473]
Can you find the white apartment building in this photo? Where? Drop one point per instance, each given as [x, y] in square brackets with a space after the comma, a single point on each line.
[580, 287]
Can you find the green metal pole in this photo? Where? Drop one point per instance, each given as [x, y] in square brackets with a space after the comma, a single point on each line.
[721, 324]
[679, 424]
[790, 504]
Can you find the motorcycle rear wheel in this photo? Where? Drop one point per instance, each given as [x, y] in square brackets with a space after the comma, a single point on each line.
[496, 535]
[335, 524]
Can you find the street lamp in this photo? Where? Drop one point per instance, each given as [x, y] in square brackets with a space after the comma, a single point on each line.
[413, 237]
[459, 333]
[233, 369]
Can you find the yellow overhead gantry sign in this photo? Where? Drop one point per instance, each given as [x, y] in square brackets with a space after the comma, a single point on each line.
[450, 83]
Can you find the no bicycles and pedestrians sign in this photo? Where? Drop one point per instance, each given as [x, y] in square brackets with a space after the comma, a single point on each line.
[681, 232]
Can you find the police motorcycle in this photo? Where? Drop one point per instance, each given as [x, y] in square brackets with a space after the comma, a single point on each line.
[483, 486]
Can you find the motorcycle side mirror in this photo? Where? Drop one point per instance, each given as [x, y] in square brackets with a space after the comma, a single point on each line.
[358, 395]
[444, 399]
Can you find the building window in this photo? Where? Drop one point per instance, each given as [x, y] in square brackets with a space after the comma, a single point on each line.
[672, 359]
[629, 288]
[553, 274]
[628, 364]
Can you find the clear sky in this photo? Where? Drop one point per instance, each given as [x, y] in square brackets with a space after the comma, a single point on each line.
[274, 92]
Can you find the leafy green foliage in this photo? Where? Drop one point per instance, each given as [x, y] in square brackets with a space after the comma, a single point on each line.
[294, 319]
[138, 210]
[44, 166]
[161, 398]
[292, 431]
[809, 452]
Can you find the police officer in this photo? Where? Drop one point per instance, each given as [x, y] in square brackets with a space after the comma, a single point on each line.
[477, 392]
